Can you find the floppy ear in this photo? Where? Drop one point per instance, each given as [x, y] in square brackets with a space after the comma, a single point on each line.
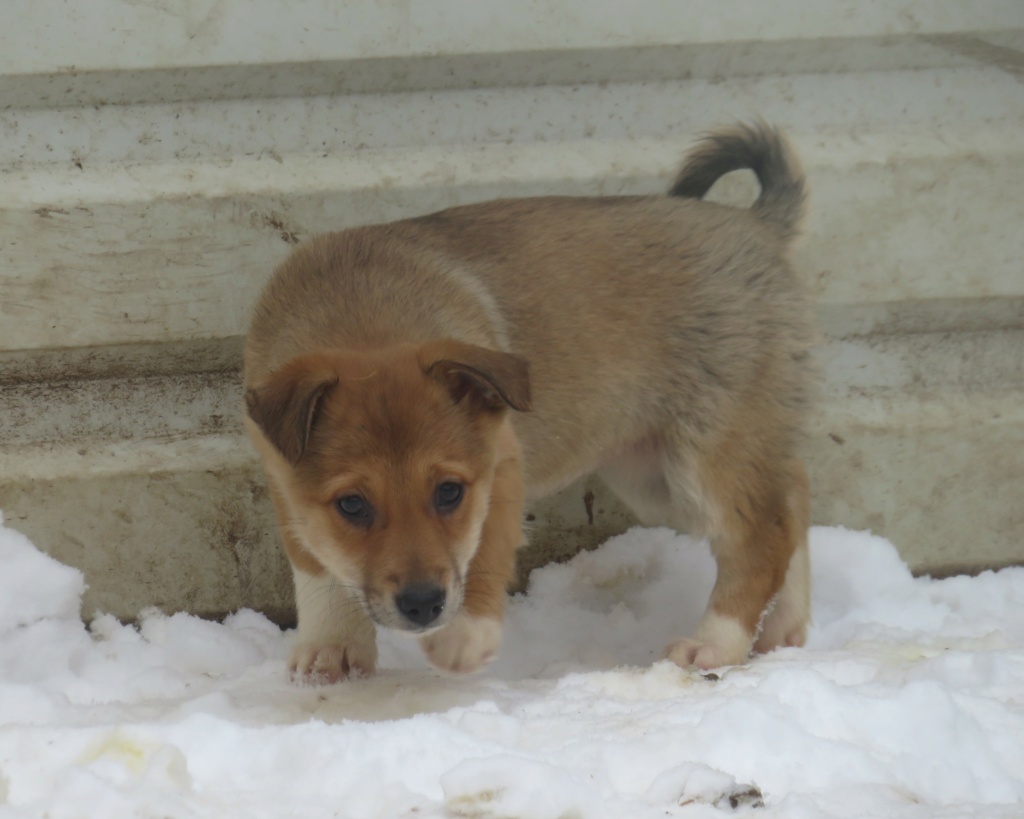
[492, 380]
[285, 406]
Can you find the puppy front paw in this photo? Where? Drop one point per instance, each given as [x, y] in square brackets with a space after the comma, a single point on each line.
[778, 636]
[314, 664]
[465, 645]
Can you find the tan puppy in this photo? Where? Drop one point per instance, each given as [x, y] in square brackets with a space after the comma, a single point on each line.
[411, 385]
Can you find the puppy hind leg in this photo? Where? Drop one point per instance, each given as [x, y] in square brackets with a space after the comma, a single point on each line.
[786, 622]
[753, 534]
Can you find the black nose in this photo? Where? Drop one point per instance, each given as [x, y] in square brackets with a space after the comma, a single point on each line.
[421, 604]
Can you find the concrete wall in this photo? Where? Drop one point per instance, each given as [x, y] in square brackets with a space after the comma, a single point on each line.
[159, 158]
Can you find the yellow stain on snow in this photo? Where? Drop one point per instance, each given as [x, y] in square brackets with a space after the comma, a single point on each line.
[118, 747]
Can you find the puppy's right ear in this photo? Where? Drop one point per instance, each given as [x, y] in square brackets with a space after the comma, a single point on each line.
[285, 406]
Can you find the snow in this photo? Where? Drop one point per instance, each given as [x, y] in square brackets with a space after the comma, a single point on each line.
[907, 702]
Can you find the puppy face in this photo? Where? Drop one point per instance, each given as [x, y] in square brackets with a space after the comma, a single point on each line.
[385, 460]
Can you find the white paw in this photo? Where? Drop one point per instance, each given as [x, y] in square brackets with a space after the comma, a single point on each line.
[314, 664]
[777, 634]
[465, 645]
[718, 641]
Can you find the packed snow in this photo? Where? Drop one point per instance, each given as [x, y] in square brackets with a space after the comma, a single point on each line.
[908, 701]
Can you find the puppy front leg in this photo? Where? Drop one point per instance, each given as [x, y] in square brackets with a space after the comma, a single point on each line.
[473, 638]
[335, 638]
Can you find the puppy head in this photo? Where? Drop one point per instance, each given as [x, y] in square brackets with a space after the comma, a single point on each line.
[385, 460]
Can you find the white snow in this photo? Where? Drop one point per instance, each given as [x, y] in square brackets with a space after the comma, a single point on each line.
[907, 702]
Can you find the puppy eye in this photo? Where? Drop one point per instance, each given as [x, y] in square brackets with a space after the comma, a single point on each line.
[448, 496]
[354, 509]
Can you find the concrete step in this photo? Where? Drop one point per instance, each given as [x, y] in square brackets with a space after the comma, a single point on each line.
[188, 50]
[149, 483]
[147, 191]
[164, 252]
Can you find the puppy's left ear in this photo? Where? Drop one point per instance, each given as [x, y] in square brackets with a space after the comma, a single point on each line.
[285, 406]
[491, 379]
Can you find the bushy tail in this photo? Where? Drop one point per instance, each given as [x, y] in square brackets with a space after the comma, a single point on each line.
[764, 150]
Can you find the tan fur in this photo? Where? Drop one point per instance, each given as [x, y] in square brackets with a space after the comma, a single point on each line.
[517, 345]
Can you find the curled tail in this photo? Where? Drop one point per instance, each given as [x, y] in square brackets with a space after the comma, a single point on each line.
[764, 150]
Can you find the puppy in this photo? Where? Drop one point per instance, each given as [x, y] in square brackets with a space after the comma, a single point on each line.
[410, 386]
